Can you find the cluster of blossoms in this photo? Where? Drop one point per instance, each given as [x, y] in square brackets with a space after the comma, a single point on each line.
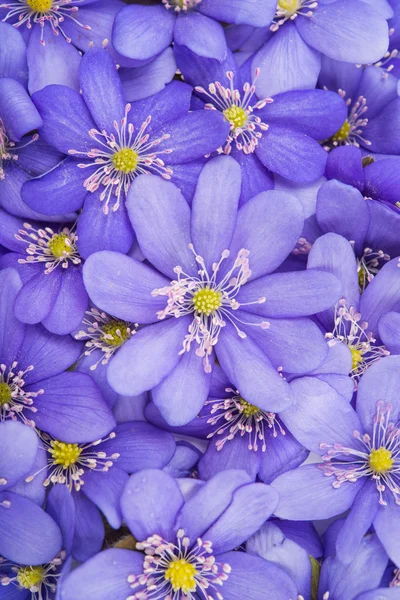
[199, 300]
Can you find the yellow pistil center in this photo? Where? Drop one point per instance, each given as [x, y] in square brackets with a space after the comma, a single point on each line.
[40, 6]
[60, 245]
[111, 329]
[356, 357]
[30, 577]
[236, 116]
[125, 160]
[64, 454]
[290, 6]
[5, 394]
[343, 133]
[207, 301]
[380, 460]
[249, 410]
[181, 574]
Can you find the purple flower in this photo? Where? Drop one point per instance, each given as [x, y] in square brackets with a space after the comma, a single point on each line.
[266, 135]
[241, 435]
[186, 545]
[50, 267]
[22, 156]
[56, 31]
[27, 534]
[142, 32]
[13, 54]
[344, 30]
[208, 285]
[373, 118]
[109, 143]
[360, 452]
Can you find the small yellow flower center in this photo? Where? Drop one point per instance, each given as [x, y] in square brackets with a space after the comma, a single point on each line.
[290, 6]
[181, 574]
[40, 5]
[381, 460]
[249, 410]
[30, 577]
[64, 454]
[60, 245]
[236, 116]
[125, 160]
[356, 357]
[207, 301]
[5, 394]
[343, 133]
[111, 329]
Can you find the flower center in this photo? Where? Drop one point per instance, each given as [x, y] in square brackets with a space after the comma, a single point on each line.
[30, 577]
[249, 410]
[343, 133]
[380, 460]
[289, 6]
[40, 5]
[236, 116]
[115, 333]
[60, 245]
[206, 301]
[369, 265]
[181, 575]
[125, 160]
[178, 5]
[246, 127]
[5, 393]
[64, 454]
[210, 298]
[51, 248]
[356, 357]
[120, 156]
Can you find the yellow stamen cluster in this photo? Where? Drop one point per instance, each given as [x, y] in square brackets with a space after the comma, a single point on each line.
[5, 394]
[64, 454]
[249, 410]
[125, 160]
[290, 6]
[60, 245]
[207, 300]
[111, 329]
[236, 116]
[343, 133]
[40, 5]
[30, 577]
[356, 357]
[181, 575]
[380, 460]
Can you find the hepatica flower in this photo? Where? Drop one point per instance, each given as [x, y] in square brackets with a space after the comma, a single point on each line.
[210, 292]
[55, 31]
[35, 582]
[266, 135]
[109, 143]
[191, 23]
[50, 267]
[185, 547]
[360, 466]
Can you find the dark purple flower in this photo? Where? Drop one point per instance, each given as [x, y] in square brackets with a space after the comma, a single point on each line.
[277, 135]
[50, 267]
[360, 452]
[109, 143]
[186, 545]
[241, 435]
[215, 293]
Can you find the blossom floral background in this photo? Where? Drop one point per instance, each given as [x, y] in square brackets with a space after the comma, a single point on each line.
[200, 300]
